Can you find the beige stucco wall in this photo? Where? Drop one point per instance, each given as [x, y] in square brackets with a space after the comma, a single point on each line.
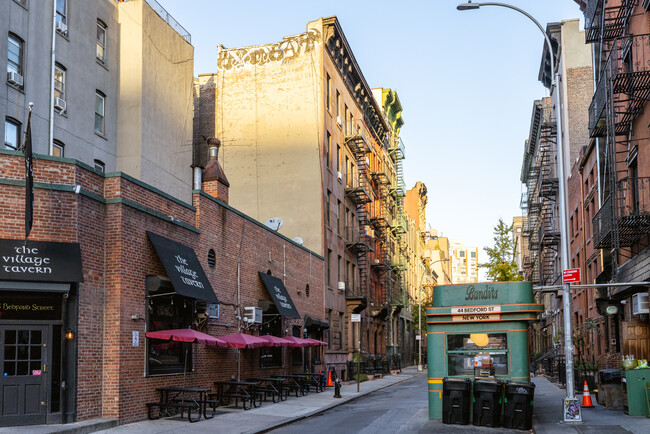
[155, 101]
[268, 120]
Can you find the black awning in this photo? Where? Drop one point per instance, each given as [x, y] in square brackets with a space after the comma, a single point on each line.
[315, 323]
[280, 296]
[183, 268]
[40, 261]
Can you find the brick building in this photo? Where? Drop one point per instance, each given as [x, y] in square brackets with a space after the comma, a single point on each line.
[108, 282]
[316, 146]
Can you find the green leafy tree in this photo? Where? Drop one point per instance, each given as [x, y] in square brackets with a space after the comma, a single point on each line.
[501, 266]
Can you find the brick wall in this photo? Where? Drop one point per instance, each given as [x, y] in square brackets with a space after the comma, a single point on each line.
[109, 219]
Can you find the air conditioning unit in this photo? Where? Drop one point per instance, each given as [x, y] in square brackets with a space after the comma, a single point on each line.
[61, 27]
[59, 104]
[339, 175]
[253, 315]
[342, 286]
[640, 303]
[207, 310]
[14, 78]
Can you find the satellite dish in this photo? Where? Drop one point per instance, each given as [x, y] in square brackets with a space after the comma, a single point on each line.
[298, 240]
[274, 223]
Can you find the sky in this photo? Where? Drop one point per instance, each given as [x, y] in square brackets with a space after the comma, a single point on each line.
[466, 81]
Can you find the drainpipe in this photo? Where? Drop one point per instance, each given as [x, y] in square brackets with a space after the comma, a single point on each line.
[50, 140]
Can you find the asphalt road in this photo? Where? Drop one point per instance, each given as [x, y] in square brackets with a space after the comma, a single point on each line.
[401, 408]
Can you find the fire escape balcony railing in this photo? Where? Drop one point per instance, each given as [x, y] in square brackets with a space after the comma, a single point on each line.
[624, 217]
[358, 239]
[549, 231]
[396, 151]
[626, 76]
[613, 23]
[399, 224]
[381, 258]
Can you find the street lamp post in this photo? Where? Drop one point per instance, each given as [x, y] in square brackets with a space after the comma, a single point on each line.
[424, 272]
[570, 401]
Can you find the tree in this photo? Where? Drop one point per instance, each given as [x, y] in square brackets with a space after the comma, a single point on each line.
[501, 266]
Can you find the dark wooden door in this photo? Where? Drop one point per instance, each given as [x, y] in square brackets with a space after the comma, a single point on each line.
[23, 384]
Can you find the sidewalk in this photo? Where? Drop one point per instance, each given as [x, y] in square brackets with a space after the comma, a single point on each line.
[548, 419]
[547, 415]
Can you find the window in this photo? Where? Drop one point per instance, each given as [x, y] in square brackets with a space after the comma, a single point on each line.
[327, 208]
[472, 254]
[329, 321]
[462, 253]
[100, 100]
[486, 349]
[328, 147]
[338, 107]
[329, 267]
[57, 148]
[338, 269]
[62, 11]
[339, 214]
[59, 81]
[338, 158]
[341, 328]
[100, 166]
[271, 357]
[15, 55]
[168, 312]
[12, 134]
[328, 88]
[346, 120]
[101, 41]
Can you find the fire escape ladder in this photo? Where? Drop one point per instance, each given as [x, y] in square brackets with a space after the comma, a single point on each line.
[358, 189]
[606, 23]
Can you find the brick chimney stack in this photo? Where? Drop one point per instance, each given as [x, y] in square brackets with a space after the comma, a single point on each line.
[215, 182]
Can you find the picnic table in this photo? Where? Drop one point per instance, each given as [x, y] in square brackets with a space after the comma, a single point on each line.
[245, 390]
[272, 386]
[305, 381]
[175, 398]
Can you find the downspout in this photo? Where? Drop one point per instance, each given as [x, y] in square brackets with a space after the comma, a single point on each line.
[50, 140]
[238, 315]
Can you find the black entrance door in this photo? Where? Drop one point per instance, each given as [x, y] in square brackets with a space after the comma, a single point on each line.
[23, 360]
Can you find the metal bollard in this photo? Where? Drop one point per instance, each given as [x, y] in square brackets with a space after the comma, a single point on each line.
[337, 388]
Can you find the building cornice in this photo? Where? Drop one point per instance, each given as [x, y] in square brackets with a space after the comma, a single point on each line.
[337, 47]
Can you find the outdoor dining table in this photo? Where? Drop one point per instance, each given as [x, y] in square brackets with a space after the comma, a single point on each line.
[173, 398]
[305, 381]
[244, 390]
[273, 386]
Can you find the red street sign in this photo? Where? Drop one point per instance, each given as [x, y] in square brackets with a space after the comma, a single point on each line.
[572, 275]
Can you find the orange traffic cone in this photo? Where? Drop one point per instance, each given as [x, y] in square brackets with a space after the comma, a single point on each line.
[586, 396]
[329, 379]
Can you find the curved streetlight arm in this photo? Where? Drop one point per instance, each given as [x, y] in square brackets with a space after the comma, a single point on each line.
[471, 6]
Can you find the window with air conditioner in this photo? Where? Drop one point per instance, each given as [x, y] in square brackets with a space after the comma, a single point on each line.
[62, 13]
[61, 27]
[15, 49]
[640, 303]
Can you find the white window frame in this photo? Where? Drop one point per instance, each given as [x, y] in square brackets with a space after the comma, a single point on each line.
[15, 123]
[12, 66]
[60, 146]
[62, 14]
[59, 81]
[101, 45]
[100, 97]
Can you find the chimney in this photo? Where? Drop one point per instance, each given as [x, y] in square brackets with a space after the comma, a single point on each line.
[215, 182]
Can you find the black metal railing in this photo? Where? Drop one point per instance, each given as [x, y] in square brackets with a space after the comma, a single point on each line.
[624, 216]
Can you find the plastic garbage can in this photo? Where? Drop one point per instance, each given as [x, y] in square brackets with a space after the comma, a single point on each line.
[518, 405]
[456, 400]
[487, 403]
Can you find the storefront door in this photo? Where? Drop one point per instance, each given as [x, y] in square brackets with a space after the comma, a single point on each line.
[23, 384]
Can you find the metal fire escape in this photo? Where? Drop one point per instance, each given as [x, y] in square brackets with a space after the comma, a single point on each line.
[398, 227]
[549, 237]
[621, 94]
[358, 238]
[380, 220]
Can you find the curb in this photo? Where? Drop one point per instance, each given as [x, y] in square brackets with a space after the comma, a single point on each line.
[330, 406]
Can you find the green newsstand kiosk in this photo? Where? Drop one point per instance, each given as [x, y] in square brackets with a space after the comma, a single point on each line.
[478, 331]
